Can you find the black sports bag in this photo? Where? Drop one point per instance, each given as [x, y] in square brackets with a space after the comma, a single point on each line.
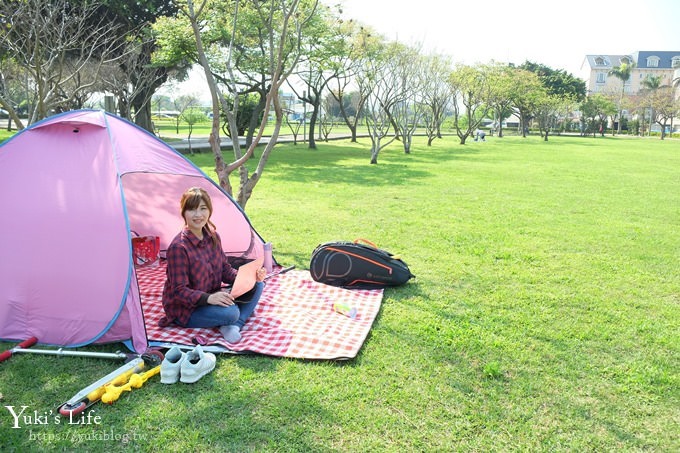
[354, 265]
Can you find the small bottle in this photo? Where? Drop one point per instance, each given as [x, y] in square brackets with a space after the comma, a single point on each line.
[345, 309]
[268, 260]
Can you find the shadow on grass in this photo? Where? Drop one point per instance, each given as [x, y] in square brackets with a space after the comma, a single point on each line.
[342, 162]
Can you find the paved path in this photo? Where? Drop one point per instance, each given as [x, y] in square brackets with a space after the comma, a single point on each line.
[201, 144]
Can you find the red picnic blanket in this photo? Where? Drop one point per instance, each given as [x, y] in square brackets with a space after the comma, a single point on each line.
[294, 318]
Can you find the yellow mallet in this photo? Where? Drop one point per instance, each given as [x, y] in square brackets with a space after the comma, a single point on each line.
[113, 392]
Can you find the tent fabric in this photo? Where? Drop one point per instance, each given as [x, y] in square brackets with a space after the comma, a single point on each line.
[294, 318]
[74, 188]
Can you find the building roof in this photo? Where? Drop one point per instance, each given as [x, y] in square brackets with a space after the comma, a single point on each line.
[607, 61]
[665, 58]
[643, 59]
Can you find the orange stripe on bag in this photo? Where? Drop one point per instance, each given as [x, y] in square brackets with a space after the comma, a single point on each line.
[345, 252]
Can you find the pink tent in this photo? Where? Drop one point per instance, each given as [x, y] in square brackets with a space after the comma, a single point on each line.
[73, 188]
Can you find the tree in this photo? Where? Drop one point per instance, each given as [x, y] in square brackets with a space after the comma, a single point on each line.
[363, 46]
[324, 59]
[665, 107]
[435, 95]
[560, 90]
[290, 117]
[326, 119]
[14, 87]
[548, 112]
[558, 82]
[410, 77]
[470, 94]
[192, 116]
[281, 25]
[382, 81]
[595, 109]
[650, 84]
[183, 104]
[526, 95]
[133, 79]
[161, 102]
[622, 72]
[61, 45]
[500, 99]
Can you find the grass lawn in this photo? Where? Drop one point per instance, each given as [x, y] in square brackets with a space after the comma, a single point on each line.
[544, 315]
[5, 134]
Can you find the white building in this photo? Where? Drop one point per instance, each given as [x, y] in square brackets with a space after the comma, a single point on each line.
[596, 68]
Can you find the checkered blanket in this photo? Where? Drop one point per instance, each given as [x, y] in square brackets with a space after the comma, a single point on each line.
[294, 318]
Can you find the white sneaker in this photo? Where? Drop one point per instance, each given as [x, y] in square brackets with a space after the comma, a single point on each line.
[196, 365]
[171, 365]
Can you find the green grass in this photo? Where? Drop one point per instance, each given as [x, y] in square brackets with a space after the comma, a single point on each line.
[5, 134]
[544, 315]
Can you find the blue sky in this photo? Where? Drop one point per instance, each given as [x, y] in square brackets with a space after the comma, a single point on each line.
[556, 33]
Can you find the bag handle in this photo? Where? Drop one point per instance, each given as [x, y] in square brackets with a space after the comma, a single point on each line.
[357, 240]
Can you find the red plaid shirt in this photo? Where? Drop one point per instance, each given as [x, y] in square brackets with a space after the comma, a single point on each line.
[196, 269]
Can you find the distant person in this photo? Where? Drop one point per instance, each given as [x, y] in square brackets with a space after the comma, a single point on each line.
[197, 267]
[480, 135]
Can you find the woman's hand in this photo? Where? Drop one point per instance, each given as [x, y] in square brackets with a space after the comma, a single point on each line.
[260, 274]
[221, 298]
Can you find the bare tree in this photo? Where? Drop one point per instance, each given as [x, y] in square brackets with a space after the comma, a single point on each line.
[326, 120]
[315, 79]
[385, 92]
[435, 95]
[325, 50]
[54, 41]
[183, 104]
[132, 80]
[503, 91]
[290, 117]
[14, 87]
[470, 94]
[410, 76]
[363, 45]
[192, 116]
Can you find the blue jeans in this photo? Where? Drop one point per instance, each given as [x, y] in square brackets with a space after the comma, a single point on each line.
[237, 314]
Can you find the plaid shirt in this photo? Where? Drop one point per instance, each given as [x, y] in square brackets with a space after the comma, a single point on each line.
[196, 269]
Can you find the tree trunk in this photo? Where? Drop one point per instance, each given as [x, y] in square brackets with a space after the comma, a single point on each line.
[143, 116]
[407, 144]
[523, 124]
[255, 119]
[142, 102]
[374, 156]
[375, 148]
[352, 125]
[671, 128]
[312, 124]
